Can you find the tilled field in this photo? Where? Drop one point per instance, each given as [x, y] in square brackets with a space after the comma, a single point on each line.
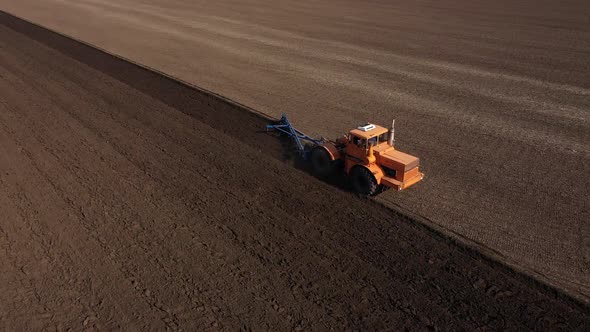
[493, 96]
[132, 201]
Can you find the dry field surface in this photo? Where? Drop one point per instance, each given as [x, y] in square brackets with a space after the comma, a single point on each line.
[492, 95]
[130, 201]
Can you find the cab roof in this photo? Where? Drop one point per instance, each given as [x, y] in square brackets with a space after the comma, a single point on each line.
[376, 131]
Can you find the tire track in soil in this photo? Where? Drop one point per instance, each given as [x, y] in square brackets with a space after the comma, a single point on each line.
[208, 237]
[43, 163]
[46, 133]
[15, 283]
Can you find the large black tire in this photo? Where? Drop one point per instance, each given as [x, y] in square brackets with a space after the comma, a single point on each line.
[322, 163]
[363, 181]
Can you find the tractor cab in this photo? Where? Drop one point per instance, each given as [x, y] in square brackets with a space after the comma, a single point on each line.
[365, 139]
[362, 142]
[368, 135]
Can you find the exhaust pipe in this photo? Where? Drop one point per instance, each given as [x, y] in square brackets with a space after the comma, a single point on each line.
[392, 133]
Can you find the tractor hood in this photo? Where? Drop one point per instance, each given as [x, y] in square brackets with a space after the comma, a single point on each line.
[399, 161]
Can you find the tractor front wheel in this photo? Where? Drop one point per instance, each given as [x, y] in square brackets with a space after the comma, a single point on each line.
[363, 181]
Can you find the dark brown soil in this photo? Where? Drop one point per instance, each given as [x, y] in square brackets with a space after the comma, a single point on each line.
[493, 96]
[132, 201]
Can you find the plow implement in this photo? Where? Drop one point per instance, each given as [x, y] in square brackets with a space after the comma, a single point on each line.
[303, 143]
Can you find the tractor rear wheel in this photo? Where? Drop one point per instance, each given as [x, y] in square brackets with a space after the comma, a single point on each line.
[363, 181]
[322, 163]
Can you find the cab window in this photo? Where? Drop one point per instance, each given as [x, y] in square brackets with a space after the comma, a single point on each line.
[384, 137]
[360, 142]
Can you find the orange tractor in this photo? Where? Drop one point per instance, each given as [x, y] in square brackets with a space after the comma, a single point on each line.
[366, 153]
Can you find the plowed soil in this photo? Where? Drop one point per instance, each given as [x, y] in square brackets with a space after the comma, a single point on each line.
[493, 96]
[132, 201]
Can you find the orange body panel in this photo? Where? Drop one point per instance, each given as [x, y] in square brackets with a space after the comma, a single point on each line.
[400, 185]
[397, 160]
[409, 174]
[377, 172]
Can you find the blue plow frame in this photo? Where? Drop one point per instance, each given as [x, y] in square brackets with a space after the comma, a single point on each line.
[300, 139]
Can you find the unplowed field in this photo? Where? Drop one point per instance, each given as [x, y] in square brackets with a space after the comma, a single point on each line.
[492, 95]
[132, 201]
